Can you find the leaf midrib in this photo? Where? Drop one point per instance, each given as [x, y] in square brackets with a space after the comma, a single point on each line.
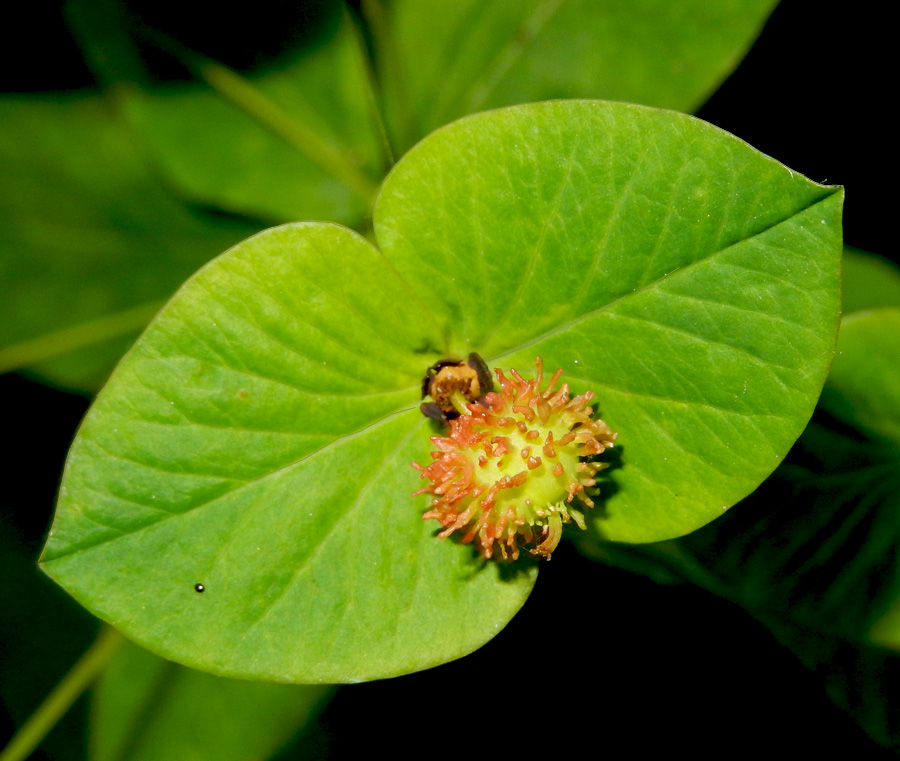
[678, 272]
[344, 438]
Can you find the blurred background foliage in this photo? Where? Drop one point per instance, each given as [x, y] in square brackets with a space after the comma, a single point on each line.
[129, 157]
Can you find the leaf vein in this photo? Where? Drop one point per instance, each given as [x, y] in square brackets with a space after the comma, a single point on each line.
[706, 340]
[679, 272]
[302, 564]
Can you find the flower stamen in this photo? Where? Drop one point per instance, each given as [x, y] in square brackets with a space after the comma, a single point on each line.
[477, 478]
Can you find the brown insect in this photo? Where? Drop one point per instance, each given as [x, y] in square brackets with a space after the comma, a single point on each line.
[469, 378]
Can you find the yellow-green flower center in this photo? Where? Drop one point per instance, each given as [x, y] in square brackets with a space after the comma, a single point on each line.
[512, 466]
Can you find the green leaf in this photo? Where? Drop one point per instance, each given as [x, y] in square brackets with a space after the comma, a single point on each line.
[86, 231]
[817, 544]
[441, 61]
[859, 680]
[258, 438]
[147, 708]
[687, 279]
[869, 282]
[221, 154]
[812, 554]
[258, 441]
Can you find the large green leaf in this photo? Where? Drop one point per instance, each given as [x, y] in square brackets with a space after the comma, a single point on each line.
[147, 708]
[257, 439]
[253, 442]
[689, 280]
[444, 60]
[86, 231]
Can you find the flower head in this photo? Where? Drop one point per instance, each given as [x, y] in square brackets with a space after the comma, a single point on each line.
[511, 467]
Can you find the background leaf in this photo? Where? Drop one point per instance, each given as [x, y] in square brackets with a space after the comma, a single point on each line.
[43, 631]
[86, 230]
[147, 708]
[440, 61]
[258, 438]
[687, 279]
[869, 282]
[863, 388]
[435, 62]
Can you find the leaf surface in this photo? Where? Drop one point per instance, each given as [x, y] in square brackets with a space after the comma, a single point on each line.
[258, 438]
[687, 279]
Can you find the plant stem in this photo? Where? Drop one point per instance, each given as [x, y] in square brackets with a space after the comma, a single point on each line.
[389, 75]
[115, 325]
[241, 93]
[269, 114]
[376, 96]
[63, 695]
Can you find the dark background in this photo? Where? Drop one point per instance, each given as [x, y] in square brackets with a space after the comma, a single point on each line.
[599, 659]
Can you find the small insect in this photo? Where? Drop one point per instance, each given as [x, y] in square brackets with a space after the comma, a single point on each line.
[452, 383]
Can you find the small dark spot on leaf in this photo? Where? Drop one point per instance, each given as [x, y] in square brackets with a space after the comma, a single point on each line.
[199, 588]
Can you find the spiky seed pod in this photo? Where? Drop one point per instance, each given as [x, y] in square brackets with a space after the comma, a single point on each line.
[513, 465]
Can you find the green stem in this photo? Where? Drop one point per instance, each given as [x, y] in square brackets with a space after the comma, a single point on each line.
[242, 94]
[390, 73]
[83, 673]
[116, 325]
[269, 114]
[376, 96]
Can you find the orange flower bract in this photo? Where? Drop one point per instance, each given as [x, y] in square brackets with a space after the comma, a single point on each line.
[510, 469]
